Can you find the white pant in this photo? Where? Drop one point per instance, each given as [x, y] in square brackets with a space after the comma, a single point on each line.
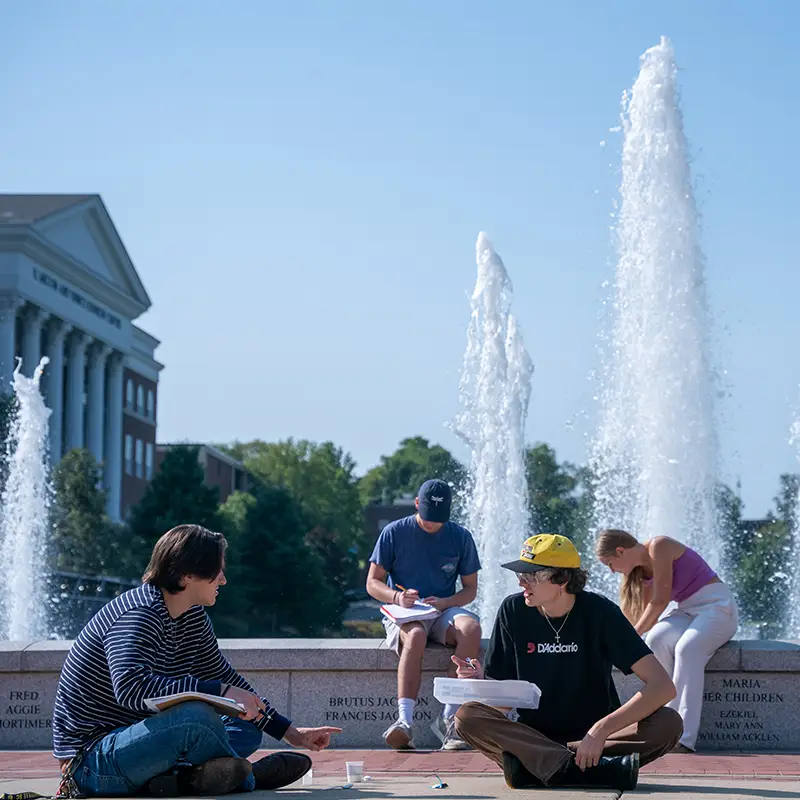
[684, 641]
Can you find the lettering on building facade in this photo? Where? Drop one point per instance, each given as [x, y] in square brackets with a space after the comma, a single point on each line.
[84, 302]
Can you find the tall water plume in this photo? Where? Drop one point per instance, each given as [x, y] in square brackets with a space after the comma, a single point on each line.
[791, 572]
[24, 520]
[495, 390]
[655, 452]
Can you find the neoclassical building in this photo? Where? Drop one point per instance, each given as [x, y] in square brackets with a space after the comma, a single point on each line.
[68, 290]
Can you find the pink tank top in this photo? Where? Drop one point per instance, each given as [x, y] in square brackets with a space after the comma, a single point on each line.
[690, 573]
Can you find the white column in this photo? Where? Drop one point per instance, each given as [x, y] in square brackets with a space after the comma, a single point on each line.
[75, 369]
[112, 473]
[32, 321]
[8, 331]
[97, 399]
[54, 385]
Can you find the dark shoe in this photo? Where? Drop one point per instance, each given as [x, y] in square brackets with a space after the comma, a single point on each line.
[619, 772]
[218, 776]
[682, 748]
[280, 769]
[517, 777]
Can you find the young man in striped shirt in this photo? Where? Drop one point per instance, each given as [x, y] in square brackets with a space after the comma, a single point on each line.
[153, 641]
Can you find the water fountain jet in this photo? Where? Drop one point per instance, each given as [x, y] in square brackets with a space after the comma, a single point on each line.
[494, 392]
[24, 514]
[655, 452]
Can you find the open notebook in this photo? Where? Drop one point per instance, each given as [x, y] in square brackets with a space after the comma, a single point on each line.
[418, 612]
[223, 704]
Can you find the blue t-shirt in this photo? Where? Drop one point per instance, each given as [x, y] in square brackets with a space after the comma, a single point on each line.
[427, 562]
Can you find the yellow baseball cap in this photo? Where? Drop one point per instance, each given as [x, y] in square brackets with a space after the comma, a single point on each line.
[546, 551]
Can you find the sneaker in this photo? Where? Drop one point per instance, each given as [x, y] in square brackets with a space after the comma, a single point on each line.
[218, 776]
[445, 731]
[280, 769]
[398, 736]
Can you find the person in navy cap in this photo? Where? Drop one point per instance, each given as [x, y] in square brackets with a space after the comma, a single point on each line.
[421, 557]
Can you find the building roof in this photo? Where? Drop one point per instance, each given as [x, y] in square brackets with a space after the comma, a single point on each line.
[208, 448]
[25, 209]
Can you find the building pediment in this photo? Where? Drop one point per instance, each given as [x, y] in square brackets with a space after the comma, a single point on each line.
[74, 236]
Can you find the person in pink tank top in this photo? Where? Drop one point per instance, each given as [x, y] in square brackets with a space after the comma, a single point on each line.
[654, 574]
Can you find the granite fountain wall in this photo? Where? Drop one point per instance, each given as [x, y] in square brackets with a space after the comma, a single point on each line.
[752, 690]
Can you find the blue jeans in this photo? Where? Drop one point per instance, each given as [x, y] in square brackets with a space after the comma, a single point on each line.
[189, 733]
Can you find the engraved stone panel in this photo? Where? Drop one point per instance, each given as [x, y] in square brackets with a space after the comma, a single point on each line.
[750, 711]
[363, 705]
[26, 713]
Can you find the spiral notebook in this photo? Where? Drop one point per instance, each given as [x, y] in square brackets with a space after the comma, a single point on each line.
[417, 613]
[222, 704]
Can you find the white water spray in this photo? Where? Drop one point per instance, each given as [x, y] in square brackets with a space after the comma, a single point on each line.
[791, 629]
[24, 520]
[495, 390]
[655, 453]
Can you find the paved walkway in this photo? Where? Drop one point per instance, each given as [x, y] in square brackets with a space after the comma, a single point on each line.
[330, 763]
[492, 787]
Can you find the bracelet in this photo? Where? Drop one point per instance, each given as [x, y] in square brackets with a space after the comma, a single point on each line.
[227, 687]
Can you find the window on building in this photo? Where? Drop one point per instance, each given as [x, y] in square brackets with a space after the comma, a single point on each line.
[129, 393]
[139, 458]
[140, 399]
[151, 402]
[148, 461]
[128, 454]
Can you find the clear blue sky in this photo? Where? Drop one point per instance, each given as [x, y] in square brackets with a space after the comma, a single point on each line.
[300, 185]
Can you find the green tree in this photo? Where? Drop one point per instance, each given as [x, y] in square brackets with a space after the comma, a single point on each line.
[554, 492]
[321, 479]
[761, 581]
[786, 501]
[735, 536]
[176, 495]
[404, 471]
[278, 583]
[8, 408]
[757, 557]
[80, 524]
[84, 541]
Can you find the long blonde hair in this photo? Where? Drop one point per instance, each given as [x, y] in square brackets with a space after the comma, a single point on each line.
[631, 599]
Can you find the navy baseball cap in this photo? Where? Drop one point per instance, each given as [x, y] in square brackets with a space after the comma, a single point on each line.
[435, 498]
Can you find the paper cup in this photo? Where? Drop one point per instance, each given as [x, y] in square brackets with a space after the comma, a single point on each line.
[355, 771]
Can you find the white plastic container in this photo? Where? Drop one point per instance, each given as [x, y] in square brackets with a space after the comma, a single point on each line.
[355, 771]
[508, 694]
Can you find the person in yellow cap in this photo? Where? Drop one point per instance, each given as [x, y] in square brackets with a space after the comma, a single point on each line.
[567, 640]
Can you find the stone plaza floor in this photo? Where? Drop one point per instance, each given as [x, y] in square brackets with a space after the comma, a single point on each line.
[399, 775]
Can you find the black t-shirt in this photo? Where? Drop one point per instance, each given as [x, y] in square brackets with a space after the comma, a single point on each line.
[575, 675]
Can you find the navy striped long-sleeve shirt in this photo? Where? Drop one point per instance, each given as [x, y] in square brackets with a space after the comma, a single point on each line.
[132, 650]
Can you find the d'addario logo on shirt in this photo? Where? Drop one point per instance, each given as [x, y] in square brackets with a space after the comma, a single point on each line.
[550, 648]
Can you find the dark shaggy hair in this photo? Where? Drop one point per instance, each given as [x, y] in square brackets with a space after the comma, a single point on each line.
[183, 551]
[575, 579]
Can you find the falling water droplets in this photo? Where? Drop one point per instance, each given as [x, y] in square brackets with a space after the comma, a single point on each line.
[25, 507]
[495, 391]
[655, 453]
